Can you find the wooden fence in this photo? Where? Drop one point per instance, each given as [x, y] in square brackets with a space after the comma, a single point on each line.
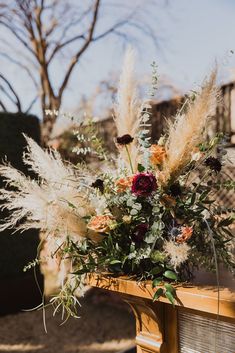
[224, 119]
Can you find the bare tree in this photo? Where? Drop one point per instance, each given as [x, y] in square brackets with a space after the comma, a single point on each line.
[43, 31]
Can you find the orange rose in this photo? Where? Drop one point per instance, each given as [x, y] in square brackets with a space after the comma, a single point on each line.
[186, 233]
[124, 183]
[100, 224]
[157, 154]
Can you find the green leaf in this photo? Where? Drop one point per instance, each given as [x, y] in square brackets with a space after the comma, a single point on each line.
[170, 297]
[170, 274]
[115, 265]
[81, 271]
[156, 270]
[193, 198]
[156, 282]
[170, 289]
[225, 230]
[226, 222]
[208, 202]
[204, 195]
[159, 292]
[71, 205]
[113, 262]
[140, 168]
[92, 261]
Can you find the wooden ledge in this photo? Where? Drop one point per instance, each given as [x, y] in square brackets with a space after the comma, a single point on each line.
[199, 298]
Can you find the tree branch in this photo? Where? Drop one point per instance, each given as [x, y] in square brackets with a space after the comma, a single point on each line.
[62, 45]
[111, 29]
[82, 50]
[31, 104]
[24, 67]
[14, 32]
[3, 106]
[17, 102]
[74, 22]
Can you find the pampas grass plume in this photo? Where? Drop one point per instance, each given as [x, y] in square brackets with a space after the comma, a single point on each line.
[127, 109]
[56, 203]
[186, 131]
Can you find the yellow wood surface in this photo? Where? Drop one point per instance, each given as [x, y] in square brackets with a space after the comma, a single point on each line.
[201, 298]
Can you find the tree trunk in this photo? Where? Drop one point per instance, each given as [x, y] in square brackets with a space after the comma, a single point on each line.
[49, 119]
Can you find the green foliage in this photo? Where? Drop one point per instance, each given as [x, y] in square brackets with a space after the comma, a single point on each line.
[89, 142]
[170, 275]
[119, 253]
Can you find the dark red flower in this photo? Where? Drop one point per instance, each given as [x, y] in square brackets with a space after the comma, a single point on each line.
[175, 190]
[214, 164]
[143, 184]
[125, 139]
[98, 184]
[139, 232]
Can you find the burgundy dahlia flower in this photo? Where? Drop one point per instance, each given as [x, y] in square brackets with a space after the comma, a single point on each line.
[143, 184]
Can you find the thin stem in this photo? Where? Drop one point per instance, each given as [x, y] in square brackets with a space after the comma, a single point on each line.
[217, 278]
[129, 158]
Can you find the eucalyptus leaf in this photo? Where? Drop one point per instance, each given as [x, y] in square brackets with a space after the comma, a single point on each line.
[133, 212]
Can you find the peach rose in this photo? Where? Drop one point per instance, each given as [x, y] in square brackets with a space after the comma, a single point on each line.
[100, 224]
[124, 183]
[185, 234]
[157, 154]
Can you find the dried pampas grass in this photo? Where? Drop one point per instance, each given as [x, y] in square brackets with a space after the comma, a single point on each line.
[128, 108]
[186, 131]
[48, 165]
[56, 204]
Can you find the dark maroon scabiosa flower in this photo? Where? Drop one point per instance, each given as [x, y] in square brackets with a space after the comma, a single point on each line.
[139, 232]
[125, 139]
[175, 189]
[213, 163]
[98, 184]
[143, 184]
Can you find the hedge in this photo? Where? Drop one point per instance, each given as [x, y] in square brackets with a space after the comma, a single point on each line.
[17, 249]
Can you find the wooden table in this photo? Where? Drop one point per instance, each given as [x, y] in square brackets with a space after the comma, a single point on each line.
[157, 323]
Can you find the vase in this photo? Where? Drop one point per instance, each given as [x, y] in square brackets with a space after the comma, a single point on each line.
[201, 321]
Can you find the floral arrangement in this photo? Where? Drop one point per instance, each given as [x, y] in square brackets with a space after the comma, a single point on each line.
[149, 214]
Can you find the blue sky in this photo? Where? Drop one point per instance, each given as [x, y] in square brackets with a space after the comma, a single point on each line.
[193, 33]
